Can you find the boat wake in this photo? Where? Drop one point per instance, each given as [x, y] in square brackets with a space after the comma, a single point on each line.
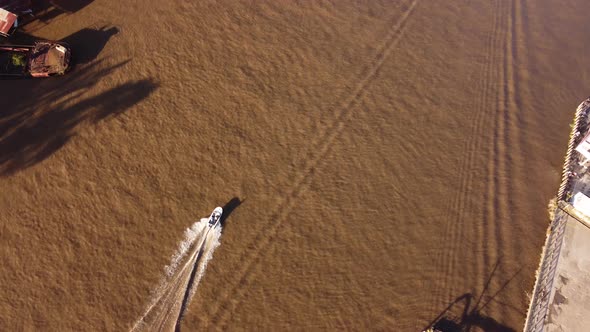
[181, 278]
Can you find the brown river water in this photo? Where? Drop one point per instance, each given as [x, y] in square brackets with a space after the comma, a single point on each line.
[391, 158]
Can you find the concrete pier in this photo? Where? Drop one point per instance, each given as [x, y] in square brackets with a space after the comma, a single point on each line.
[561, 296]
[569, 300]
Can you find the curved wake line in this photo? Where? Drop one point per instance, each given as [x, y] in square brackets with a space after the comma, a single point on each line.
[181, 278]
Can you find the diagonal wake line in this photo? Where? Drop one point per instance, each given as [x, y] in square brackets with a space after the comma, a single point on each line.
[263, 240]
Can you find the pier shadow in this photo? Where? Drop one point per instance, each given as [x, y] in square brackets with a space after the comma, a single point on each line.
[39, 116]
[471, 316]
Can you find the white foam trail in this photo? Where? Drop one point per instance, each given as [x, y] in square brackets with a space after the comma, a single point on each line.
[165, 307]
[190, 234]
[211, 243]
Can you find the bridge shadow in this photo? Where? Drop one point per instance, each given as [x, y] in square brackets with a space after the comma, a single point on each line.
[470, 317]
[39, 116]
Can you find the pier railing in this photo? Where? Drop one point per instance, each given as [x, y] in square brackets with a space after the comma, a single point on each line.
[539, 306]
[575, 136]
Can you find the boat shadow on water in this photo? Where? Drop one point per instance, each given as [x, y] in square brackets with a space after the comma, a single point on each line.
[228, 208]
[83, 51]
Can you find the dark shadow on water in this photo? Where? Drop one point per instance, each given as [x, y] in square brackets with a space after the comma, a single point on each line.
[39, 116]
[228, 208]
[471, 318]
[87, 43]
[21, 38]
[70, 6]
[47, 10]
[48, 13]
[18, 7]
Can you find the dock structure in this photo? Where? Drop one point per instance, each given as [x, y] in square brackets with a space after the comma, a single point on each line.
[561, 296]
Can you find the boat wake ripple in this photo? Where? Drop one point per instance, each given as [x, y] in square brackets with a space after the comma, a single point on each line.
[181, 278]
